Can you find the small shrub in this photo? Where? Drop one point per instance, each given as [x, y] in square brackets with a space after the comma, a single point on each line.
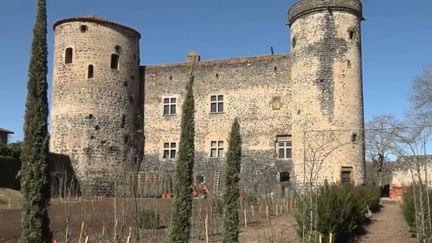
[148, 219]
[337, 209]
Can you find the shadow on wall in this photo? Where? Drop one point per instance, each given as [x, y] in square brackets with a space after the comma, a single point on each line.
[62, 176]
[9, 168]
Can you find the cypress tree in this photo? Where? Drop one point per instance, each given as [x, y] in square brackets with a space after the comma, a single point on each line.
[232, 191]
[183, 179]
[34, 172]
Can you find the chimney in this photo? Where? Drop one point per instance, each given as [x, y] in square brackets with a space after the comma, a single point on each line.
[192, 57]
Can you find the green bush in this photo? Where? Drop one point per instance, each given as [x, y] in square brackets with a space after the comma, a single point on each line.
[337, 209]
[409, 208]
[148, 219]
[11, 150]
[371, 195]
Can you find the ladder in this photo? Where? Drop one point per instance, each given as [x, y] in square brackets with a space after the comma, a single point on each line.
[216, 183]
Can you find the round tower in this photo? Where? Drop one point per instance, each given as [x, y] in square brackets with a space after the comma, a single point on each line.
[326, 76]
[95, 100]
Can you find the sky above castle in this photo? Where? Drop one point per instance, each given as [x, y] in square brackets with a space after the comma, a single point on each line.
[396, 39]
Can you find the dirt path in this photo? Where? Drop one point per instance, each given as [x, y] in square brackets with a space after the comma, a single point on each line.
[387, 226]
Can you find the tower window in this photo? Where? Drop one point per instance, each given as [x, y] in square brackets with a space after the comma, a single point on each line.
[216, 149]
[294, 42]
[351, 34]
[68, 55]
[83, 28]
[123, 121]
[90, 71]
[284, 176]
[346, 175]
[114, 61]
[284, 147]
[348, 64]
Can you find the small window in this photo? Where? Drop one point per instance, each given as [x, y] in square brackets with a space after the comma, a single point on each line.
[216, 104]
[114, 61]
[68, 55]
[351, 34]
[123, 121]
[354, 137]
[294, 42]
[169, 150]
[169, 106]
[346, 175]
[83, 28]
[90, 71]
[348, 64]
[216, 149]
[284, 147]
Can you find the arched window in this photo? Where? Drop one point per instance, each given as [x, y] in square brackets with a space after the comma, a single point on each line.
[90, 71]
[68, 55]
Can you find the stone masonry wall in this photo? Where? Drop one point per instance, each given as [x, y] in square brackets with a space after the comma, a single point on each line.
[327, 95]
[93, 120]
[257, 90]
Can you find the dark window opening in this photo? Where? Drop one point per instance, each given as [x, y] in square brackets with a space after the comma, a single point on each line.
[284, 176]
[351, 34]
[275, 69]
[118, 49]
[217, 75]
[114, 61]
[97, 128]
[90, 71]
[354, 137]
[123, 121]
[348, 63]
[170, 78]
[294, 42]
[83, 28]
[126, 138]
[125, 83]
[68, 55]
[131, 99]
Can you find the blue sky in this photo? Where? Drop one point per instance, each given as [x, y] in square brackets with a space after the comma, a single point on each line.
[396, 40]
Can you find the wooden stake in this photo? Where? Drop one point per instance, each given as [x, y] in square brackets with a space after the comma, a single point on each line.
[81, 232]
[206, 229]
[331, 238]
[245, 217]
[267, 212]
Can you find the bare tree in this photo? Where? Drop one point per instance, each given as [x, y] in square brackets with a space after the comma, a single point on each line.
[381, 133]
[421, 97]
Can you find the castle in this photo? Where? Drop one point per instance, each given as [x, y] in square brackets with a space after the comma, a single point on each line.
[301, 114]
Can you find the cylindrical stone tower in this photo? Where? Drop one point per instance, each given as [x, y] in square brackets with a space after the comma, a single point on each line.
[95, 100]
[326, 76]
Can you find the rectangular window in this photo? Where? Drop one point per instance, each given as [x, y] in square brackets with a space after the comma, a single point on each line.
[216, 104]
[68, 55]
[284, 147]
[169, 105]
[216, 149]
[114, 61]
[169, 150]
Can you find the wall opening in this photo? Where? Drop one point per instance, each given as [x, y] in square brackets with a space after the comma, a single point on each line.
[115, 61]
[83, 28]
[284, 176]
[294, 42]
[351, 34]
[118, 49]
[348, 64]
[346, 175]
[123, 121]
[68, 55]
[125, 83]
[90, 71]
[354, 137]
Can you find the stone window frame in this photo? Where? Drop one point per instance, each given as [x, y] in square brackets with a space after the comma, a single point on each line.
[167, 102]
[217, 149]
[169, 150]
[217, 102]
[284, 147]
[115, 61]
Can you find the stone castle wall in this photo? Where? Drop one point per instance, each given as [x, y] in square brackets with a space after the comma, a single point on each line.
[94, 119]
[257, 90]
